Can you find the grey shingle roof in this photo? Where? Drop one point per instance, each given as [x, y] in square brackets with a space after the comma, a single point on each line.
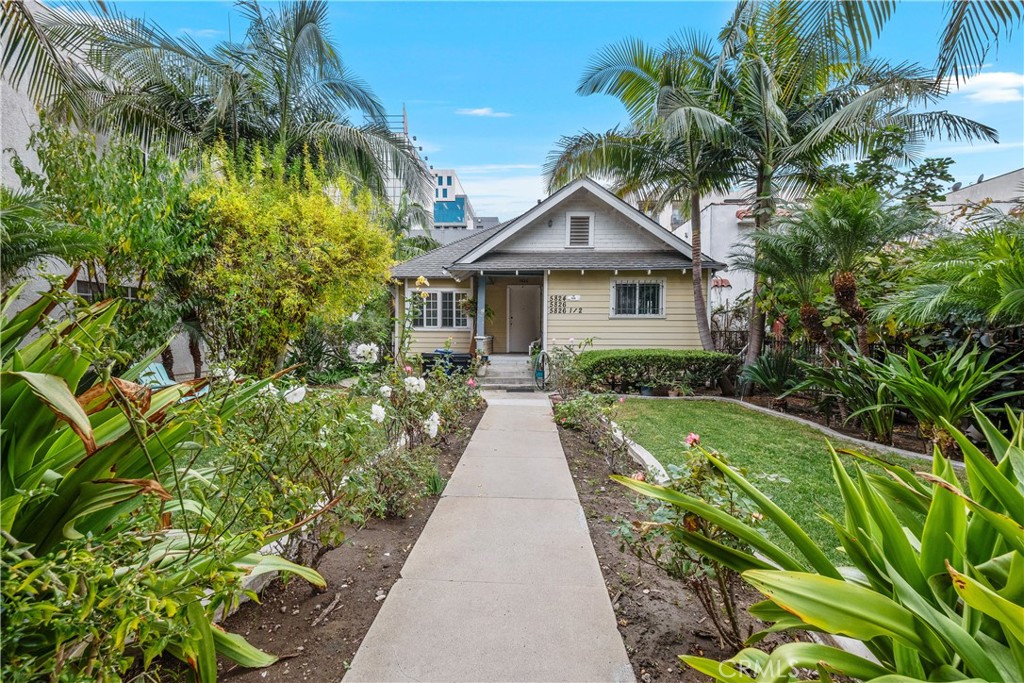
[577, 260]
[435, 263]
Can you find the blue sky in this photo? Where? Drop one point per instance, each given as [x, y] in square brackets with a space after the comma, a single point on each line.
[490, 87]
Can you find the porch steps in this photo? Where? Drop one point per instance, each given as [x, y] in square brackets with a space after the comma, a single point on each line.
[508, 373]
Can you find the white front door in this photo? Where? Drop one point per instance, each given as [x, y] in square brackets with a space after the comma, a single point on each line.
[523, 317]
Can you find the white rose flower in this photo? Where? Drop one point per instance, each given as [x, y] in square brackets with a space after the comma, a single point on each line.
[366, 353]
[268, 390]
[415, 385]
[377, 412]
[432, 423]
[223, 373]
[385, 391]
[295, 394]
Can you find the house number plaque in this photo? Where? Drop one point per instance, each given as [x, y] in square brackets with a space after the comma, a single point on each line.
[558, 304]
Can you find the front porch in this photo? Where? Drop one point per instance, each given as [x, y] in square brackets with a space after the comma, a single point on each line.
[509, 312]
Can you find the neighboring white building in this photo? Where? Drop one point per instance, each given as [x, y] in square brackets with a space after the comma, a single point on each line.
[1004, 192]
[725, 222]
[454, 215]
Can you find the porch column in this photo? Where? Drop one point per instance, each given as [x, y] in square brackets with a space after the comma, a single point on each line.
[481, 293]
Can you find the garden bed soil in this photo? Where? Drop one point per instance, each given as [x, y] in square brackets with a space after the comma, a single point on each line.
[290, 620]
[659, 619]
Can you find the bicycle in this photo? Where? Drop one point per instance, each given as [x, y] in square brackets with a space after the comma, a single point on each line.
[541, 369]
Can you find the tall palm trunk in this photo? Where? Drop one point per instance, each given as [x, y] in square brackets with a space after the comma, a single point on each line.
[755, 324]
[699, 301]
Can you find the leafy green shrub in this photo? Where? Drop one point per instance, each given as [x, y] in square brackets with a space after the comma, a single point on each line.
[94, 574]
[777, 371]
[667, 537]
[628, 368]
[934, 590]
[941, 389]
[286, 248]
[852, 379]
[591, 414]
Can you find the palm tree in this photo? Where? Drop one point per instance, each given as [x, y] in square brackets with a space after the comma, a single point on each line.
[28, 233]
[977, 276]
[795, 104]
[787, 254]
[400, 221]
[284, 85]
[847, 226]
[972, 29]
[641, 162]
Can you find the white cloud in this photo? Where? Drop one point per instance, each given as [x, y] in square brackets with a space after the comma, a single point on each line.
[201, 32]
[483, 111]
[994, 87]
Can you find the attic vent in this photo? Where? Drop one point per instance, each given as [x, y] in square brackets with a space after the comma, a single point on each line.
[580, 231]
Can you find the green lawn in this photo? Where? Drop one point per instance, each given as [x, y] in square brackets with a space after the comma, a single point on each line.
[762, 444]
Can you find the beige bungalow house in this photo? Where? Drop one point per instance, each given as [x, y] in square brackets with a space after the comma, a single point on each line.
[581, 264]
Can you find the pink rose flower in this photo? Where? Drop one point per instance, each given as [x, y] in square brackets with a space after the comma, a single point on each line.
[692, 439]
[408, 369]
[622, 399]
[471, 382]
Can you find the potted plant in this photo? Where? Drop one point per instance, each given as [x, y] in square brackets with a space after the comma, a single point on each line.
[469, 309]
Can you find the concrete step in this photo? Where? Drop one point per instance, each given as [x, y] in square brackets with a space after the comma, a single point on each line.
[509, 385]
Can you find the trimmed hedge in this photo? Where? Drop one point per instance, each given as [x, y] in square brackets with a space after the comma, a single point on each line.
[651, 367]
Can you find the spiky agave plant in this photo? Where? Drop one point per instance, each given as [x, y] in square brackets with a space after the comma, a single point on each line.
[934, 586]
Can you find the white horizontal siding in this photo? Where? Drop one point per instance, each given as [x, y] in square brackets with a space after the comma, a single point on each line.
[426, 341]
[612, 231]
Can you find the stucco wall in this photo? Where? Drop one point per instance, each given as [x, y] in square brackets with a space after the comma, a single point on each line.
[676, 330]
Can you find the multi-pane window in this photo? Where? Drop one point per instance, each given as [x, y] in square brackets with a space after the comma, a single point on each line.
[638, 298]
[440, 309]
[96, 291]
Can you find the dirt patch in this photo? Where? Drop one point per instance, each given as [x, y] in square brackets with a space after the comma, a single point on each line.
[317, 632]
[659, 619]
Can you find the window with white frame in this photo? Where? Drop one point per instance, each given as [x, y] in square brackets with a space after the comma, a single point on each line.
[439, 309]
[579, 229]
[638, 299]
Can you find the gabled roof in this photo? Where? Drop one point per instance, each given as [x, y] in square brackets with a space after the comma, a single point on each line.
[480, 249]
[435, 263]
[599, 192]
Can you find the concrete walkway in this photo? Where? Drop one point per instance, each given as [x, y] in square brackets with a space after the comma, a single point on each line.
[503, 584]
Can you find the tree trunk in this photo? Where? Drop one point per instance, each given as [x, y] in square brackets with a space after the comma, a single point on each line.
[167, 360]
[810, 318]
[844, 287]
[196, 351]
[755, 325]
[699, 301]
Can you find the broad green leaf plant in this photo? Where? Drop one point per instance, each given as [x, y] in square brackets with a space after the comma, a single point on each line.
[107, 556]
[934, 585]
